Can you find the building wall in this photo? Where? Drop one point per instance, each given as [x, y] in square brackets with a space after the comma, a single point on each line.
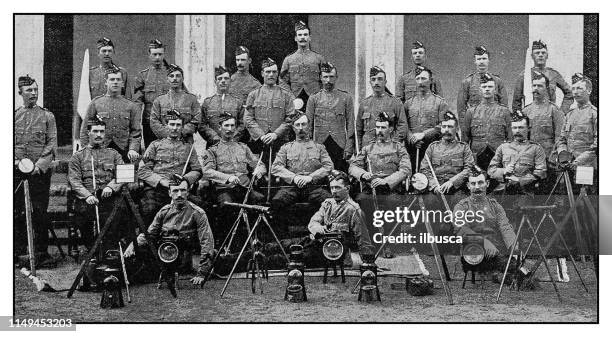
[450, 42]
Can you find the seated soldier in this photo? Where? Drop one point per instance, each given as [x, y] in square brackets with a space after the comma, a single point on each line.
[451, 160]
[383, 163]
[226, 164]
[343, 214]
[163, 160]
[519, 164]
[497, 232]
[80, 178]
[192, 224]
[302, 164]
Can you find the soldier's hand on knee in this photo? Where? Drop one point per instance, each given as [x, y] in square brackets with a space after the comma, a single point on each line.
[367, 176]
[107, 192]
[376, 182]
[165, 183]
[444, 188]
[257, 173]
[490, 249]
[418, 144]
[91, 200]
[141, 240]
[133, 155]
[508, 170]
[307, 180]
[233, 180]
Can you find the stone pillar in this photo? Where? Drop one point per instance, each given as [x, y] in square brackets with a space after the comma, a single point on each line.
[200, 46]
[29, 51]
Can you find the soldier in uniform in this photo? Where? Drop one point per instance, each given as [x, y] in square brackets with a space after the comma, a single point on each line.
[266, 111]
[331, 113]
[227, 164]
[122, 118]
[424, 112]
[520, 163]
[97, 74]
[486, 125]
[406, 86]
[300, 70]
[383, 163]
[95, 156]
[302, 164]
[178, 99]
[580, 135]
[163, 160]
[149, 84]
[539, 54]
[452, 160]
[373, 105]
[242, 82]
[36, 140]
[469, 92]
[217, 105]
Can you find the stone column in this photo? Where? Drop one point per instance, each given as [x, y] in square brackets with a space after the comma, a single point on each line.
[29, 52]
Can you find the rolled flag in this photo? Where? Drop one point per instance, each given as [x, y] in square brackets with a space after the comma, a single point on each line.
[82, 103]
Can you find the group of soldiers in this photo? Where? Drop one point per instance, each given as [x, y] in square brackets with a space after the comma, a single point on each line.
[247, 126]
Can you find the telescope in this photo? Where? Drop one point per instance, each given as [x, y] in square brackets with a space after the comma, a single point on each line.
[261, 209]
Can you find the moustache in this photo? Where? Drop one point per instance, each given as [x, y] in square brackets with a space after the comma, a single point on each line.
[447, 134]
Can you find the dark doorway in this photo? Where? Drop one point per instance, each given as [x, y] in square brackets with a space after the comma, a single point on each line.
[57, 74]
[264, 35]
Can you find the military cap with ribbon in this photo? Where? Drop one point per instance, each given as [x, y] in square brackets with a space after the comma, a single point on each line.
[220, 70]
[242, 50]
[449, 116]
[267, 63]
[375, 70]
[538, 75]
[417, 44]
[154, 44]
[172, 114]
[518, 116]
[476, 171]
[577, 77]
[103, 42]
[420, 69]
[486, 77]
[95, 120]
[538, 45]
[383, 117]
[297, 114]
[224, 116]
[300, 25]
[112, 69]
[327, 67]
[25, 81]
[173, 67]
[480, 50]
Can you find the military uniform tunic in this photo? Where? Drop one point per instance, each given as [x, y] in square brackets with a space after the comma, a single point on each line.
[370, 108]
[580, 132]
[212, 108]
[451, 161]
[122, 118]
[555, 81]
[80, 173]
[35, 136]
[149, 84]
[302, 158]
[424, 114]
[166, 157]
[332, 115]
[242, 84]
[266, 111]
[469, 93]
[546, 121]
[227, 159]
[344, 216]
[406, 86]
[388, 159]
[300, 70]
[487, 124]
[185, 103]
[97, 81]
[527, 160]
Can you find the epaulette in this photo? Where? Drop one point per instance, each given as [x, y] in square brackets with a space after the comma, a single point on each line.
[470, 75]
[97, 97]
[435, 142]
[196, 207]
[145, 70]
[353, 203]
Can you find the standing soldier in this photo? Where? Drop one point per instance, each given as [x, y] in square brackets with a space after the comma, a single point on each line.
[177, 99]
[163, 162]
[122, 118]
[424, 112]
[580, 136]
[539, 54]
[217, 105]
[97, 74]
[407, 87]
[242, 82]
[520, 163]
[371, 107]
[267, 108]
[149, 84]
[300, 70]
[469, 92]
[487, 125]
[333, 121]
[451, 160]
[80, 177]
[35, 140]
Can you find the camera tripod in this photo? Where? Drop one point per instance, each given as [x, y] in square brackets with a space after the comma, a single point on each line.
[257, 261]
